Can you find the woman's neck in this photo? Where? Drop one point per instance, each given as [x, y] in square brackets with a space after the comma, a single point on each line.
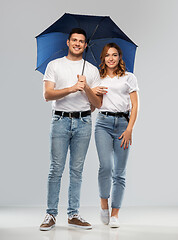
[110, 72]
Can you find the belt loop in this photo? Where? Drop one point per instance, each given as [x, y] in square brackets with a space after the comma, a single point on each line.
[106, 114]
[80, 114]
[62, 115]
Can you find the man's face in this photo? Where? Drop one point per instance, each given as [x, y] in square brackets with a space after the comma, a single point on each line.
[76, 44]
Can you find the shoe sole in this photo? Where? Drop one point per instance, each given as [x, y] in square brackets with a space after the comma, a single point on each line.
[112, 226]
[47, 229]
[78, 226]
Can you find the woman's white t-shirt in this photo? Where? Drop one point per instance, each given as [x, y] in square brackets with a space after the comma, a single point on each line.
[117, 99]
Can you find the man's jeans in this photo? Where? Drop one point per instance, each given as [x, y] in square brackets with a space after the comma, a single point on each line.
[112, 157]
[72, 133]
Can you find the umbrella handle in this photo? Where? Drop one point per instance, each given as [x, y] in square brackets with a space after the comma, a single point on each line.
[84, 63]
[84, 60]
[83, 66]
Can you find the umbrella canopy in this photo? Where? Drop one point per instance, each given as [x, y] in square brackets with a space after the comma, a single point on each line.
[100, 30]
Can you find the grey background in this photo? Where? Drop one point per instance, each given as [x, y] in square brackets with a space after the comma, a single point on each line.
[25, 116]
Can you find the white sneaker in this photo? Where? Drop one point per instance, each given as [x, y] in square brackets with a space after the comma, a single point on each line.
[114, 222]
[104, 216]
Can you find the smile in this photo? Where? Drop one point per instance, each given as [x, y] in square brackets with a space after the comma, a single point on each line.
[77, 49]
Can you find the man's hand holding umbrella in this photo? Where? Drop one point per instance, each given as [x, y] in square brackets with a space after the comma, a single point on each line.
[82, 81]
[93, 98]
[79, 86]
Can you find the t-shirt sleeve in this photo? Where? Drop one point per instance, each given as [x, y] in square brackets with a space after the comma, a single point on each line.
[49, 73]
[96, 78]
[132, 83]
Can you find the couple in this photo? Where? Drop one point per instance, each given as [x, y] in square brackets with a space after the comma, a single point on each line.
[73, 96]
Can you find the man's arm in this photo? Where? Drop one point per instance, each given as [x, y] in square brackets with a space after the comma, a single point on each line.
[95, 100]
[53, 94]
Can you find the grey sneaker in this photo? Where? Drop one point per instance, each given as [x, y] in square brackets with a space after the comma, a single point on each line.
[77, 221]
[104, 216]
[48, 223]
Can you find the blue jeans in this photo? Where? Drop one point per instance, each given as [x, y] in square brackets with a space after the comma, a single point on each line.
[72, 133]
[112, 157]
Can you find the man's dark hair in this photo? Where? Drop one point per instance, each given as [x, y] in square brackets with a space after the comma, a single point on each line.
[79, 31]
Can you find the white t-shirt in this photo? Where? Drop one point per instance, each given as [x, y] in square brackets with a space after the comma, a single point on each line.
[63, 72]
[117, 99]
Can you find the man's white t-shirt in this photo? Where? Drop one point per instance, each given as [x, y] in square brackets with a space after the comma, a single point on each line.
[117, 99]
[63, 72]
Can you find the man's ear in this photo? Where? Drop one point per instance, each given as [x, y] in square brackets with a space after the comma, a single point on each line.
[85, 45]
[68, 42]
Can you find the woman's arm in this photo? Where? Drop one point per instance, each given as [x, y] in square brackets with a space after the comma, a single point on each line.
[127, 134]
[99, 91]
[134, 110]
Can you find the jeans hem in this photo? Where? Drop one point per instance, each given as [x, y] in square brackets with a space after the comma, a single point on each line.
[105, 197]
[73, 213]
[54, 214]
[115, 207]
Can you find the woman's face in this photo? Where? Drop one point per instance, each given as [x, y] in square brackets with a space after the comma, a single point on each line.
[112, 58]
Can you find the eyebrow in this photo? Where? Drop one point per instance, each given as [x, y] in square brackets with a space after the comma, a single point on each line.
[78, 39]
[112, 53]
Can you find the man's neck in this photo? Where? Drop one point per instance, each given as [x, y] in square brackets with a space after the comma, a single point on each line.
[73, 57]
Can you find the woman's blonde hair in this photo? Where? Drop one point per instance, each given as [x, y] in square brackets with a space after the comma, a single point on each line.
[120, 71]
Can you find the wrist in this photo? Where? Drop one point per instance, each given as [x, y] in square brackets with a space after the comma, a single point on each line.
[71, 89]
[86, 87]
[129, 129]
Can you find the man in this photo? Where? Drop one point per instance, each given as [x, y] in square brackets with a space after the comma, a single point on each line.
[71, 125]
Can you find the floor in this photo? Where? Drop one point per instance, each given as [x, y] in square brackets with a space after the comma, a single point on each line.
[137, 223]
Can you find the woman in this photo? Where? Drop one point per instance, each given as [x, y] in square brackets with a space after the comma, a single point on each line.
[113, 131]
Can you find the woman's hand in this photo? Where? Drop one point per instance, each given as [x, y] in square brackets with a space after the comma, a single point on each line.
[126, 138]
[100, 90]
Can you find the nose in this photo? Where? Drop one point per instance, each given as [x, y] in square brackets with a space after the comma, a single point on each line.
[111, 58]
[77, 43]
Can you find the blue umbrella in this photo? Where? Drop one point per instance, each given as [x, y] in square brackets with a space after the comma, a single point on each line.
[100, 30]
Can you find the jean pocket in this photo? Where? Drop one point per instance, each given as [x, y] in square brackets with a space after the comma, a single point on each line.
[56, 118]
[86, 119]
[101, 116]
[123, 120]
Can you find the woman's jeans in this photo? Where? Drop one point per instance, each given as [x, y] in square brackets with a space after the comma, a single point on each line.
[72, 133]
[112, 157]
